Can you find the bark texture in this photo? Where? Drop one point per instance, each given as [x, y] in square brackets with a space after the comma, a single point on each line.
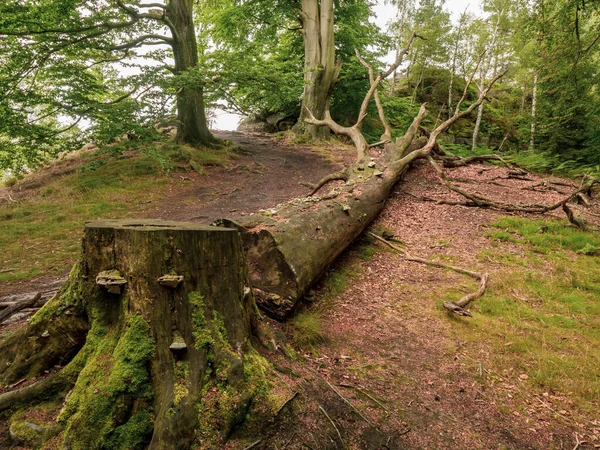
[153, 329]
[193, 126]
[320, 67]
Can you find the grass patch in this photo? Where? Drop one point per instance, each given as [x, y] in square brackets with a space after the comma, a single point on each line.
[308, 329]
[542, 313]
[41, 234]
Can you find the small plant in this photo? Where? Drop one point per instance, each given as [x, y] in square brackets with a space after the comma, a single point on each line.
[307, 329]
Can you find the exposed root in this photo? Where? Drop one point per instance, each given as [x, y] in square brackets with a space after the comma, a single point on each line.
[334, 426]
[344, 399]
[458, 307]
[366, 394]
[341, 175]
[45, 388]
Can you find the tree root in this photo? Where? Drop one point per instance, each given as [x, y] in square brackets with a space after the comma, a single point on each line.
[6, 313]
[458, 307]
[45, 388]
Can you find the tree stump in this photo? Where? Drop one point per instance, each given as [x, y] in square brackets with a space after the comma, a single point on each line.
[152, 328]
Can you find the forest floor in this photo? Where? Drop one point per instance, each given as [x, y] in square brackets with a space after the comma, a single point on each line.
[374, 361]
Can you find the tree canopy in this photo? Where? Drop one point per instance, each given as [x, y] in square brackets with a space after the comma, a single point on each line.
[79, 70]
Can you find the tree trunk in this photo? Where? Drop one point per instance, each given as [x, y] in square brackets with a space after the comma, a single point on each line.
[165, 360]
[477, 126]
[193, 126]
[533, 112]
[320, 68]
[288, 251]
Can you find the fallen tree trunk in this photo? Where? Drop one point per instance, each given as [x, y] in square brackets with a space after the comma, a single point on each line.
[152, 335]
[290, 249]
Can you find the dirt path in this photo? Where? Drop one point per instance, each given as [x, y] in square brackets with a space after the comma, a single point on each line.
[267, 173]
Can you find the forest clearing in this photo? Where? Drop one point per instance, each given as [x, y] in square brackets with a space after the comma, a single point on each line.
[384, 256]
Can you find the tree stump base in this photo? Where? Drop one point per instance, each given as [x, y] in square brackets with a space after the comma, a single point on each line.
[153, 329]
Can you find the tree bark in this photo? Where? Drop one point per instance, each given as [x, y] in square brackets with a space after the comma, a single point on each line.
[533, 112]
[320, 68]
[289, 251]
[168, 314]
[193, 126]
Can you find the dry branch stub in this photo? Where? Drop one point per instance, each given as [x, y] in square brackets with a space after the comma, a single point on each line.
[152, 328]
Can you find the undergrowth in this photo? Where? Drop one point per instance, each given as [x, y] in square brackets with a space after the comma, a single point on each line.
[541, 315]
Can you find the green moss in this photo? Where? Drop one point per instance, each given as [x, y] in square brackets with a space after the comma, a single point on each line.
[26, 433]
[70, 295]
[181, 372]
[202, 335]
[134, 434]
[114, 375]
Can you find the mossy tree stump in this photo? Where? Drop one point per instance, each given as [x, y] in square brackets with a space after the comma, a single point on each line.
[153, 317]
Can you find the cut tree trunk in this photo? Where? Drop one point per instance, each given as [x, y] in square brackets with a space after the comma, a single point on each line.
[152, 328]
[288, 251]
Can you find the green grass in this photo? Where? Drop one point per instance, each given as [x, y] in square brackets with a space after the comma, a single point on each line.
[307, 329]
[542, 313]
[41, 234]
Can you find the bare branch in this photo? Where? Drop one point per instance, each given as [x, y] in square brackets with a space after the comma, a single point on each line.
[458, 307]
[144, 40]
[469, 81]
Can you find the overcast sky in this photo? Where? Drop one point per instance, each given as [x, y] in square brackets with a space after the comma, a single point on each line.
[384, 13]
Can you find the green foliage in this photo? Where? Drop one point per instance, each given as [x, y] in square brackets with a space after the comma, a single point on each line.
[257, 65]
[308, 329]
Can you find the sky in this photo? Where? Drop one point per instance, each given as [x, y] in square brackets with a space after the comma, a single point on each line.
[384, 13]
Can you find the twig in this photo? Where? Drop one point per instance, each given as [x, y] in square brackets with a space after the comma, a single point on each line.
[366, 394]
[289, 440]
[7, 270]
[344, 399]
[254, 444]
[334, 425]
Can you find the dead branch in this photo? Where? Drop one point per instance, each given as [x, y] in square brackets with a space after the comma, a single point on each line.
[426, 150]
[354, 132]
[460, 306]
[484, 202]
[341, 175]
[6, 313]
[453, 162]
[579, 223]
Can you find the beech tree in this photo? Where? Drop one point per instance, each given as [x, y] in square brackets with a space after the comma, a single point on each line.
[321, 69]
[61, 61]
